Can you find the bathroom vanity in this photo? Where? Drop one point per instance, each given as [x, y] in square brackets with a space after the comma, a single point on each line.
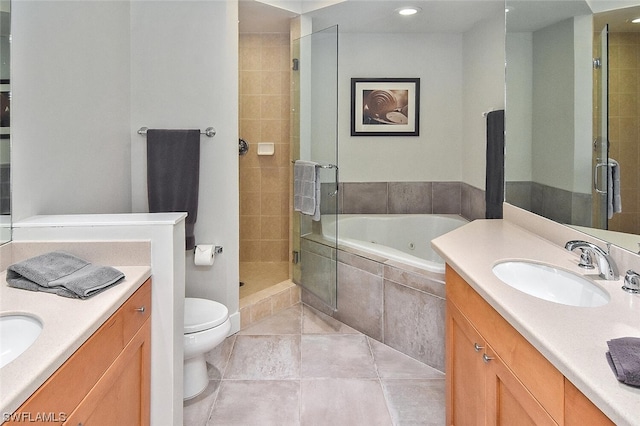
[515, 356]
[91, 361]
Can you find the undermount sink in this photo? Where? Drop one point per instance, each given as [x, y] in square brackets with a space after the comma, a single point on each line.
[551, 284]
[17, 333]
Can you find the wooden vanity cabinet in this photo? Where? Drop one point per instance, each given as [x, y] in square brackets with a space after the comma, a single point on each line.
[107, 380]
[495, 376]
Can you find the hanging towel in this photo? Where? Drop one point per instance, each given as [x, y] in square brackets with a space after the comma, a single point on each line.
[62, 274]
[494, 183]
[614, 200]
[173, 170]
[306, 188]
[624, 359]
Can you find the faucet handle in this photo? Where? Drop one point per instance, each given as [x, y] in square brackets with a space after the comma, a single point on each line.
[586, 260]
[632, 282]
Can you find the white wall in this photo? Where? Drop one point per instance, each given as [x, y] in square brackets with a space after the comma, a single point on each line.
[433, 156]
[553, 105]
[484, 79]
[70, 107]
[184, 74]
[518, 122]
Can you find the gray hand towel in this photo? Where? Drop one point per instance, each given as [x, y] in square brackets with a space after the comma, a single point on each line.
[62, 274]
[306, 188]
[624, 359]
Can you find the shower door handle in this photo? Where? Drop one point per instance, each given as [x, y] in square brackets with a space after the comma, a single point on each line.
[596, 181]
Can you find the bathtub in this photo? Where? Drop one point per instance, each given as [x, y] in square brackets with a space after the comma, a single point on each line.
[404, 238]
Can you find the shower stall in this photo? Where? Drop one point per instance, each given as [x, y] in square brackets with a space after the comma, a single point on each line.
[279, 79]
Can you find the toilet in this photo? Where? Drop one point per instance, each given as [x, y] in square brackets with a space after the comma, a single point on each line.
[206, 325]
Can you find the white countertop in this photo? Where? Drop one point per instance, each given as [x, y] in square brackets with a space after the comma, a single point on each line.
[573, 339]
[80, 220]
[68, 323]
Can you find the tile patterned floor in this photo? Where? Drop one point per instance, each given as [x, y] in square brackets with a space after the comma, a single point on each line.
[301, 367]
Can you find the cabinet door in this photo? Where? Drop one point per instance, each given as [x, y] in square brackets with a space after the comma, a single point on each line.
[508, 400]
[121, 396]
[465, 376]
[579, 411]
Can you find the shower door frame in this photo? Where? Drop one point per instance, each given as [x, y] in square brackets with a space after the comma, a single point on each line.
[314, 129]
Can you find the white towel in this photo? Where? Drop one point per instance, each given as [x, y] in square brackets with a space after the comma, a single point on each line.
[306, 188]
[614, 200]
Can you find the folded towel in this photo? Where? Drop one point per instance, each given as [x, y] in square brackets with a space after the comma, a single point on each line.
[62, 274]
[306, 188]
[614, 201]
[624, 359]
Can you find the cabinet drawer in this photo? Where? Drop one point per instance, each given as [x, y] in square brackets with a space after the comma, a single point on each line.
[136, 310]
[537, 374]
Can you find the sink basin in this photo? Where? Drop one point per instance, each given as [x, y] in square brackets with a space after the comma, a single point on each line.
[17, 333]
[551, 284]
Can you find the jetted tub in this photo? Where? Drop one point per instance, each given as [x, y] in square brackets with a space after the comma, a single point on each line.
[404, 238]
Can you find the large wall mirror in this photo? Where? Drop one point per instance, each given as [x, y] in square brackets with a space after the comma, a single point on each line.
[573, 116]
[5, 109]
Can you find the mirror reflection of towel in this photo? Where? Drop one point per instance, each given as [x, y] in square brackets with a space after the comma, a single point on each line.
[494, 180]
[614, 199]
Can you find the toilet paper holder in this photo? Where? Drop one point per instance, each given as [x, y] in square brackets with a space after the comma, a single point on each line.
[216, 249]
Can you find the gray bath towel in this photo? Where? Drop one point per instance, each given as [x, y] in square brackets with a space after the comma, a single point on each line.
[624, 359]
[62, 274]
[306, 188]
[494, 179]
[173, 173]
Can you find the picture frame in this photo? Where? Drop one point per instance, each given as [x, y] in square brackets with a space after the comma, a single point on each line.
[5, 103]
[385, 107]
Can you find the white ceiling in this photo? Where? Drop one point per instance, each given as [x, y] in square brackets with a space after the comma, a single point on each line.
[442, 16]
[367, 16]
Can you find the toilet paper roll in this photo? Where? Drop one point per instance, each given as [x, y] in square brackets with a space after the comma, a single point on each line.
[204, 255]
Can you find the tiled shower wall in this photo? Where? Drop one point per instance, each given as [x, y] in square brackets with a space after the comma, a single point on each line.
[624, 125]
[264, 117]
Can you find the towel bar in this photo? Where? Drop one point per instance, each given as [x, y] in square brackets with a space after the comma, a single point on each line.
[322, 166]
[209, 131]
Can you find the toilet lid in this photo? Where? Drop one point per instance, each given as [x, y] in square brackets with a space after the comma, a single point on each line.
[202, 314]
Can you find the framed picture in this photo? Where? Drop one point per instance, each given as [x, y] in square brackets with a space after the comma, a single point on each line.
[5, 104]
[385, 106]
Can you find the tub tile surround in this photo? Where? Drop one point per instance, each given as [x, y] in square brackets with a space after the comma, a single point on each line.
[396, 304]
[406, 197]
[554, 203]
[300, 367]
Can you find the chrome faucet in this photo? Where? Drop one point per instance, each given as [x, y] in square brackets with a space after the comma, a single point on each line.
[606, 265]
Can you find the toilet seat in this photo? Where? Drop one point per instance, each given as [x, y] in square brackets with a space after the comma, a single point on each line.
[203, 314]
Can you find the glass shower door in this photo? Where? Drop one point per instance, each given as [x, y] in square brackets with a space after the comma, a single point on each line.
[600, 158]
[314, 131]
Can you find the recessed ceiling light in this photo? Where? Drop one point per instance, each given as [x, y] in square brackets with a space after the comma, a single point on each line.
[409, 10]
[635, 21]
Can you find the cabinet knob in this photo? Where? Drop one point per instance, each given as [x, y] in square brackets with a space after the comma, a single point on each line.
[477, 347]
[140, 309]
[486, 358]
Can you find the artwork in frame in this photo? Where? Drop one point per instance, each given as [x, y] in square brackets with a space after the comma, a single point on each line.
[5, 104]
[385, 106]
